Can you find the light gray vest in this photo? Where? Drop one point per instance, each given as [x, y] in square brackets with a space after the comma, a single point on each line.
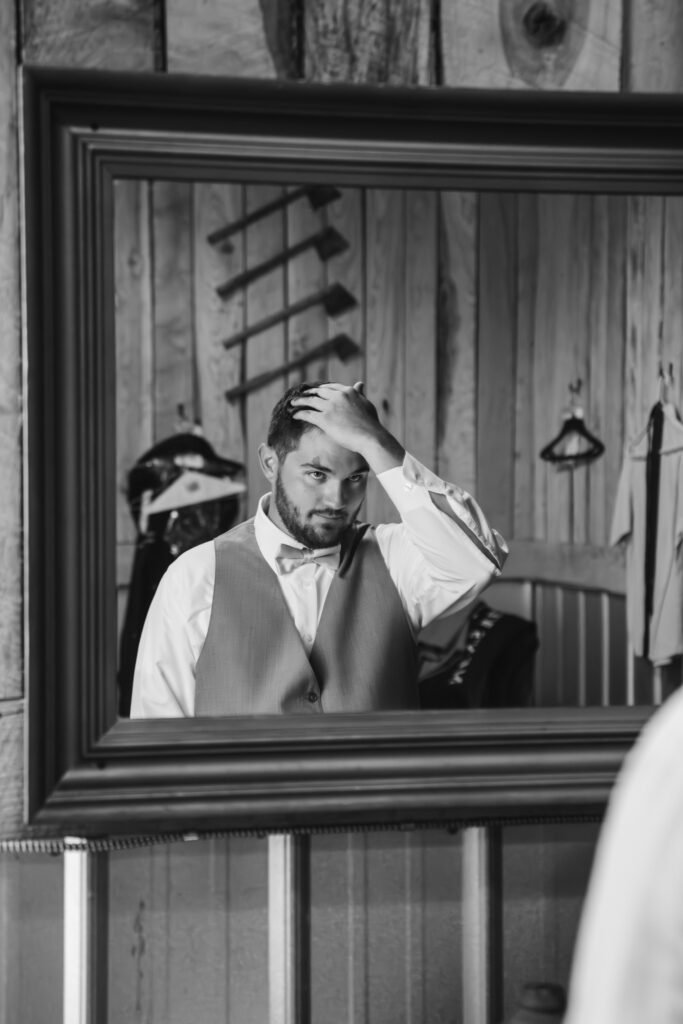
[253, 660]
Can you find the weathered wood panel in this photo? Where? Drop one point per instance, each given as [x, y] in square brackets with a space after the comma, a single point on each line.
[11, 768]
[545, 871]
[393, 907]
[11, 682]
[653, 45]
[31, 898]
[514, 44]
[456, 339]
[385, 927]
[582, 655]
[671, 352]
[385, 324]
[304, 277]
[246, 38]
[174, 379]
[570, 292]
[619, 661]
[644, 313]
[243, 37]
[496, 342]
[135, 368]
[559, 346]
[116, 34]
[188, 932]
[527, 464]
[365, 41]
[421, 304]
[216, 319]
[583, 565]
[346, 215]
[268, 350]
[595, 669]
[604, 408]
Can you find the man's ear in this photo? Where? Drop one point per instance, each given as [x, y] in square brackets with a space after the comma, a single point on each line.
[268, 461]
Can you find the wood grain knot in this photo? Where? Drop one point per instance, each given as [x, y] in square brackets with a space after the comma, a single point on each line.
[543, 26]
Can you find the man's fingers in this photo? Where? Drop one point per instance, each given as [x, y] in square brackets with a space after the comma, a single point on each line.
[311, 399]
[310, 415]
[329, 386]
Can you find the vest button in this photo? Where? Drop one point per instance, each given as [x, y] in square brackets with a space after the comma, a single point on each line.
[313, 697]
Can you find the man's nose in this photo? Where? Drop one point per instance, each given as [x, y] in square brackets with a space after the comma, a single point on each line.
[334, 493]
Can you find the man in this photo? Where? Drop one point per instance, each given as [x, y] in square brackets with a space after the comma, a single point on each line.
[302, 609]
[628, 961]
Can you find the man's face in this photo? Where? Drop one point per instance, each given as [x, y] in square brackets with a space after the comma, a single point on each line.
[316, 490]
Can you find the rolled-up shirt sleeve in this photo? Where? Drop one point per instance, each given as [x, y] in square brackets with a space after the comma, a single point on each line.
[443, 552]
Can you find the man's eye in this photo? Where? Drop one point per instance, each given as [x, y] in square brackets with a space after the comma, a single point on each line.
[357, 478]
[316, 474]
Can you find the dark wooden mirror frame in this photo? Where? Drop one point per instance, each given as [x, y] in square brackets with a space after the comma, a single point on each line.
[92, 775]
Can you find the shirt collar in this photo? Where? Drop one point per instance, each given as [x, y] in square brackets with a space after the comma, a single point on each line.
[269, 537]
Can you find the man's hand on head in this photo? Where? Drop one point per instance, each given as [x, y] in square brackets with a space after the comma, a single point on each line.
[347, 417]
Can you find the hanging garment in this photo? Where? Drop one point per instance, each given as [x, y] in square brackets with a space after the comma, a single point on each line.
[180, 493]
[648, 520]
[486, 660]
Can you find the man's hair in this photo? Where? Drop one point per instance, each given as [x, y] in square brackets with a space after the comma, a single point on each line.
[284, 432]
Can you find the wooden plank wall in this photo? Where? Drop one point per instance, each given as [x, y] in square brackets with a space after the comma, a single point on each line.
[31, 899]
[474, 315]
[187, 926]
[607, 45]
[188, 932]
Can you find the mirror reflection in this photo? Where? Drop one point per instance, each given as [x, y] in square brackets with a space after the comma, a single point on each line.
[515, 344]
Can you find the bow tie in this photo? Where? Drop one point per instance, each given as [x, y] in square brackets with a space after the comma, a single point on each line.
[289, 558]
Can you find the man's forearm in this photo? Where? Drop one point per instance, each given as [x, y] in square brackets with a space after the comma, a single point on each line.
[383, 451]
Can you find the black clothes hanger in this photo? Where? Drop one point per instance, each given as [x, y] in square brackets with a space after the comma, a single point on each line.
[574, 445]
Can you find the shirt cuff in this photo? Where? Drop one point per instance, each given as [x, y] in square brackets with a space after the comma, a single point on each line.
[408, 486]
[411, 485]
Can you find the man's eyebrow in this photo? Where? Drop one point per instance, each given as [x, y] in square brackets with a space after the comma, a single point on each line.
[326, 469]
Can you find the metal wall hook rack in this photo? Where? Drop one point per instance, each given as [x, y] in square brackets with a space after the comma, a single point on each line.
[340, 346]
[317, 195]
[327, 242]
[335, 300]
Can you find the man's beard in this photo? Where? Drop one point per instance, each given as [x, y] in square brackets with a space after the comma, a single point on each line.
[304, 532]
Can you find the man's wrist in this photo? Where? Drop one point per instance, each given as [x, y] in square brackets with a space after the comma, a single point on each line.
[382, 452]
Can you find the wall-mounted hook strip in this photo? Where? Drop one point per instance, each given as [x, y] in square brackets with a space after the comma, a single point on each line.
[341, 346]
[328, 243]
[335, 299]
[317, 195]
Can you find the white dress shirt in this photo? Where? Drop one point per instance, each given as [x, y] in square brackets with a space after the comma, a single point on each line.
[628, 961]
[439, 561]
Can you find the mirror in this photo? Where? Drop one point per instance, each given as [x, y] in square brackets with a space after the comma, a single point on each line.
[100, 147]
[463, 307]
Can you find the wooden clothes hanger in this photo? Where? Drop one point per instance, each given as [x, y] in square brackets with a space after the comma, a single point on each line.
[574, 445]
[193, 487]
[180, 471]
